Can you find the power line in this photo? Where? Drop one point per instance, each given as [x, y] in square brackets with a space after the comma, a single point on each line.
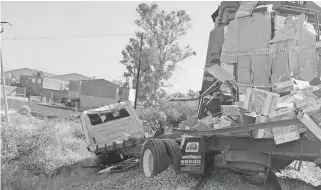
[67, 37]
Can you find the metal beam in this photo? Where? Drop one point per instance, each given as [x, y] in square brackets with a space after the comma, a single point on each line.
[301, 149]
[240, 128]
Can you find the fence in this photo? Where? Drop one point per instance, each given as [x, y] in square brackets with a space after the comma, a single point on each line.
[14, 91]
[58, 95]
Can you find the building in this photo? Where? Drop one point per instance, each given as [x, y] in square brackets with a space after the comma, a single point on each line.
[37, 85]
[15, 74]
[93, 93]
[71, 76]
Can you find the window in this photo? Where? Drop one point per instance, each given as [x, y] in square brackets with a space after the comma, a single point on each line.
[33, 80]
[96, 119]
[39, 81]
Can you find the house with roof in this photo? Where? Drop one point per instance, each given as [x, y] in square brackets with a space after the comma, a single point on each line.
[36, 85]
[16, 73]
[71, 76]
[93, 93]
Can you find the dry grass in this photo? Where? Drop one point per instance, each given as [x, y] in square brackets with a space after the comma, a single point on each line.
[34, 151]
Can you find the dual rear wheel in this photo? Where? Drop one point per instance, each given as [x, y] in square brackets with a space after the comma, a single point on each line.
[157, 154]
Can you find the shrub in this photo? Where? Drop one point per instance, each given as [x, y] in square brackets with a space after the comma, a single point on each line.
[177, 112]
[25, 110]
[153, 120]
[166, 116]
[37, 152]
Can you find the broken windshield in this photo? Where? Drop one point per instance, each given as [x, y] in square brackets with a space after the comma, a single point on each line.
[96, 119]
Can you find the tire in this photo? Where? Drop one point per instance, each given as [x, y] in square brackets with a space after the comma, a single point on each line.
[174, 153]
[153, 157]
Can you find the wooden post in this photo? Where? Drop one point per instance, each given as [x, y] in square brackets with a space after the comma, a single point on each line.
[4, 80]
[4, 89]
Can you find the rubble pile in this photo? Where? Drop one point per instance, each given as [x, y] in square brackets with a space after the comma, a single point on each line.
[275, 63]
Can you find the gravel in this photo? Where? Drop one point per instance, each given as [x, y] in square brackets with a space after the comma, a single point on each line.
[227, 180]
[309, 173]
[222, 179]
[134, 179]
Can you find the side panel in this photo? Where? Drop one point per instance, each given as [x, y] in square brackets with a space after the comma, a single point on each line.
[85, 123]
[260, 67]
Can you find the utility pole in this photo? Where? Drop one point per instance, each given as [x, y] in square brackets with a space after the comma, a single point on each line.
[138, 72]
[4, 81]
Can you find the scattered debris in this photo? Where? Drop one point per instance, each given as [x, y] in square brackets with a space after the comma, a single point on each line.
[121, 167]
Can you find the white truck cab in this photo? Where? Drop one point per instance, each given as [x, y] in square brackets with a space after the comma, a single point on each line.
[111, 124]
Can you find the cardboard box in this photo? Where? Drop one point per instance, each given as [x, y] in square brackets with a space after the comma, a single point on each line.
[200, 126]
[260, 101]
[281, 112]
[230, 110]
[286, 133]
[287, 137]
[312, 109]
[308, 101]
[262, 133]
[282, 87]
[239, 104]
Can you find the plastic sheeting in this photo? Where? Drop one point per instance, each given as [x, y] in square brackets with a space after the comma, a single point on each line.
[296, 32]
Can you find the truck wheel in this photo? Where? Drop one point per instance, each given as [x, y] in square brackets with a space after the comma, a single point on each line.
[153, 157]
[174, 153]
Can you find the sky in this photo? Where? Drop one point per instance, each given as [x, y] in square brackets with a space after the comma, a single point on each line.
[46, 24]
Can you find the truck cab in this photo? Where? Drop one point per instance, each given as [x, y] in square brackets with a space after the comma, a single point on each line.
[113, 124]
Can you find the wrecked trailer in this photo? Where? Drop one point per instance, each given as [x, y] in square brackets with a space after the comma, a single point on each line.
[268, 68]
[267, 47]
[252, 145]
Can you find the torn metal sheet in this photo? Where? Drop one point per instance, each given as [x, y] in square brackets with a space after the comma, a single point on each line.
[231, 40]
[220, 73]
[245, 9]
[215, 44]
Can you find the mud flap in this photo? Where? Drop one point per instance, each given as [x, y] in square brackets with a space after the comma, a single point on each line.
[195, 158]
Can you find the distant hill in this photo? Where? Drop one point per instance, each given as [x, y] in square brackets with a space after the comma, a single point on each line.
[15, 74]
